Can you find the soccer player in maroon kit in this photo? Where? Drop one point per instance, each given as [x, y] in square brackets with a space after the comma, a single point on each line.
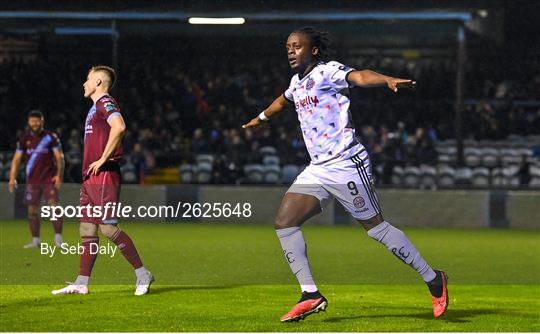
[42, 153]
[104, 129]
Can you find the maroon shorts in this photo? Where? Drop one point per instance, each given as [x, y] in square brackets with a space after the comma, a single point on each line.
[33, 193]
[96, 192]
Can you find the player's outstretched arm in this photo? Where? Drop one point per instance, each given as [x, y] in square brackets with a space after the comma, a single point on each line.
[118, 128]
[368, 78]
[15, 163]
[274, 108]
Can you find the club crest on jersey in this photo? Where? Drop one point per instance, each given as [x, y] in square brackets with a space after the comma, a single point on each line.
[310, 83]
[359, 202]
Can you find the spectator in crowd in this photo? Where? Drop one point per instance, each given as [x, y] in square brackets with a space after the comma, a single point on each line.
[523, 172]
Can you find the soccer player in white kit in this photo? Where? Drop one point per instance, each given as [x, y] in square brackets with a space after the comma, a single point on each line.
[340, 166]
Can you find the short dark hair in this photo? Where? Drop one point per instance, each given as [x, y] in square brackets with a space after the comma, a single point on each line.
[35, 113]
[109, 71]
[320, 39]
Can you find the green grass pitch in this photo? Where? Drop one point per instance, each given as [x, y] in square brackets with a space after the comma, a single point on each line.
[233, 278]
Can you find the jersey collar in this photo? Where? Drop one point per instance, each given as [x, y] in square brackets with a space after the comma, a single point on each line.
[308, 73]
[105, 94]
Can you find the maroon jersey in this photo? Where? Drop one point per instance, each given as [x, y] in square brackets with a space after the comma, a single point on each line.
[96, 134]
[37, 150]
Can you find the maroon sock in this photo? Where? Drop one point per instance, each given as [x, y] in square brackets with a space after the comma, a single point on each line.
[123, 241]
[57, 225]
[87, 259]
[33, 222]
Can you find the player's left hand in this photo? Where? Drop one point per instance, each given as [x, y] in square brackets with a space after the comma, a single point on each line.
[255, 122]
[94, 167]
[57, 181]
[396, 83]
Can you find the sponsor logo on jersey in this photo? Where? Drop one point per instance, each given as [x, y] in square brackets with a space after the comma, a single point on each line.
[307, 101]
[109, 106]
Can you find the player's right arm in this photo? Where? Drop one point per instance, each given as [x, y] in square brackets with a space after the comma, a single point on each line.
[15, 163]
[274, 108]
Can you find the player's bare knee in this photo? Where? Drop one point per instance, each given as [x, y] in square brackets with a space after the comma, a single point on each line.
[87, 230]
[108, 230]
[370, 223]
[33, 211]
[284, 221]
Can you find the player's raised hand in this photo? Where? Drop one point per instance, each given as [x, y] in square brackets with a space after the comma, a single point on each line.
[255, 122]
[12, 185]
[94, 167]
[396, 83]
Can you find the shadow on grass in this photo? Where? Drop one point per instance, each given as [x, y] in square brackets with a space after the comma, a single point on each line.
[169, 288]
[120, 291]
[451, 315]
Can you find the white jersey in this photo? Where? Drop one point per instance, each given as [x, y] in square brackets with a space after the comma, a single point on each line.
[322, 103]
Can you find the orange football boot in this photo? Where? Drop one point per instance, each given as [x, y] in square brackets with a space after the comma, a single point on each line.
[440, 304]
[310, 303]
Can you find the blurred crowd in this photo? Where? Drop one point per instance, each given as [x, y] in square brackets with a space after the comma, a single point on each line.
[175, 110]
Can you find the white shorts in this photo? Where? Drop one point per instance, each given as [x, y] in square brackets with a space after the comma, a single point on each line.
[349, 181]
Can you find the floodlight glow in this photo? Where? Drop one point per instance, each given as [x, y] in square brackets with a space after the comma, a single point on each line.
[483, 13]
[216, 20]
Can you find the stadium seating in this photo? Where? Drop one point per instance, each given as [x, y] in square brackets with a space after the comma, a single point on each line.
[397, 176]
[481, 177]
[446, 175]
[5, 171]
[489, 156]
[271, 160]
[411, 176]
[510, 176]
[535, 179]
[272, 174]
[187, 173]
[254, 173]
[497, 177]
[472, 156]
[463, 176]
[289, 173]
[267, 150]
[204, 158]
[428, 177]
[129, 173]
[204, 172]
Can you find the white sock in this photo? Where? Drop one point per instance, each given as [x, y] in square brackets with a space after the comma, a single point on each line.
[36, 240]
[308, 288]
[58, 238]
[294, 249]
[141, 271]
[398, 243]
[82, 280]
